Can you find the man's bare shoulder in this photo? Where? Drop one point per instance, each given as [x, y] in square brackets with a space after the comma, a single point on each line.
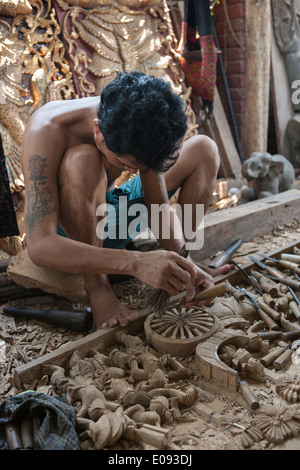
[63, 113]
[43, 121]
[60, 124]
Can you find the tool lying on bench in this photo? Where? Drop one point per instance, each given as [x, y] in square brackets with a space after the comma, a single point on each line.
[285, 264]
[271, 324]
[276, 275]
[76, 320]
[225, 256]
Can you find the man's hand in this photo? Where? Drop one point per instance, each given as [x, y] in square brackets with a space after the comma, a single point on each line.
[167, 270]
[171, 272]
[205, 279]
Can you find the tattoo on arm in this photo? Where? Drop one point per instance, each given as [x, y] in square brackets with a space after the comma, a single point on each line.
[39, 198]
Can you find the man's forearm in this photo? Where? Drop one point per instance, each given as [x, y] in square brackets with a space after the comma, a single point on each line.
[169, 232]
[64, 254]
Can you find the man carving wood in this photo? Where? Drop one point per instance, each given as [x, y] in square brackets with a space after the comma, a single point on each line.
[73, 150]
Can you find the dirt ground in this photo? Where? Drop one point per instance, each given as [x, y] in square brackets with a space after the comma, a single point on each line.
[217, 419]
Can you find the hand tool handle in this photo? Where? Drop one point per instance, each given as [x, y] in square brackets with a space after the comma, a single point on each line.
[289, 265]
[27, 433]
[224, 257]
[70, 319]
[295, 309]
[13, 436]
[290, 257]
[269, 289]
[269, 300]
[290, 282]
[269, 310]
[249, 396]
[270, 358]
[274, 272]
[254, 283]
[268, 320]
[238, 295]
[270, 335]
[290, 335]
[211, 292]
[283, 359]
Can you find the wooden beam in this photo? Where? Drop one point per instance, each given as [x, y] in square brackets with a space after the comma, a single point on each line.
[27, 373]
[258, 29]
[281, 96]
[247, 221]
[219, 131]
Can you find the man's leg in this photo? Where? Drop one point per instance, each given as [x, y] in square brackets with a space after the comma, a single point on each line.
[195, 172]
[82, 187]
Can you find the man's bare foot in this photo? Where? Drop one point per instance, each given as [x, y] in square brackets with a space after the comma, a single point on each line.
[107, 310]
[214, 272]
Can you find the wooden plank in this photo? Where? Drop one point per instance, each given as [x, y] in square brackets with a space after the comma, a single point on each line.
[258, 31]
[33, 370]
[281, 96]
[236, 276]
[23, 272]
[220, 132]
[107, 337]
[247, 221]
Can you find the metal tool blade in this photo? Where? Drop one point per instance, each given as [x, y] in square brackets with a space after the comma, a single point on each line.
[296, 275]
[252, 300]
[241, 269]
[294, 295]
[268, 257]
[262, 265]
[295, 344]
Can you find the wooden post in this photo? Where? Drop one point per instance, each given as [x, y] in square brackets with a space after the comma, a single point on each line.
[258, 36]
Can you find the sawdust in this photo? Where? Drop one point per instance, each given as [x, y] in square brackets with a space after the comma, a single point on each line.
[228, 419]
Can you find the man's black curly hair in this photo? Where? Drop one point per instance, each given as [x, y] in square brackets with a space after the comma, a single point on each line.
[140, 115]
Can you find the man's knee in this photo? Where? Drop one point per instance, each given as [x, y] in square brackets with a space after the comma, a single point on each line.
[207, 154]
[81, 167]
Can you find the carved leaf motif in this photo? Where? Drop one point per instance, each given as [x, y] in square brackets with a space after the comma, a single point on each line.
[15, 7]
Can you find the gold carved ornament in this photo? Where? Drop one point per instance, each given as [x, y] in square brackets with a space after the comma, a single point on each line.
[33, 71]
[107, 37]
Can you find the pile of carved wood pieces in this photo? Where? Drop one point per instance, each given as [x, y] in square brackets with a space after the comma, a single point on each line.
[270, 356]
[213, 417]
[127, 393]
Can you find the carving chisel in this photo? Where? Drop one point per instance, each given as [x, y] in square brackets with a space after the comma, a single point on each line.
[290, 257]
[286, 356]
[210, 293]
[294, 304]
[224, 257]
[275, 274]
[251, 279]
[76, 320]
[290, 335]
[248, 395]
[272, 356]
[263, 315]
[258, 285]
[270, 335]
[285, 264]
